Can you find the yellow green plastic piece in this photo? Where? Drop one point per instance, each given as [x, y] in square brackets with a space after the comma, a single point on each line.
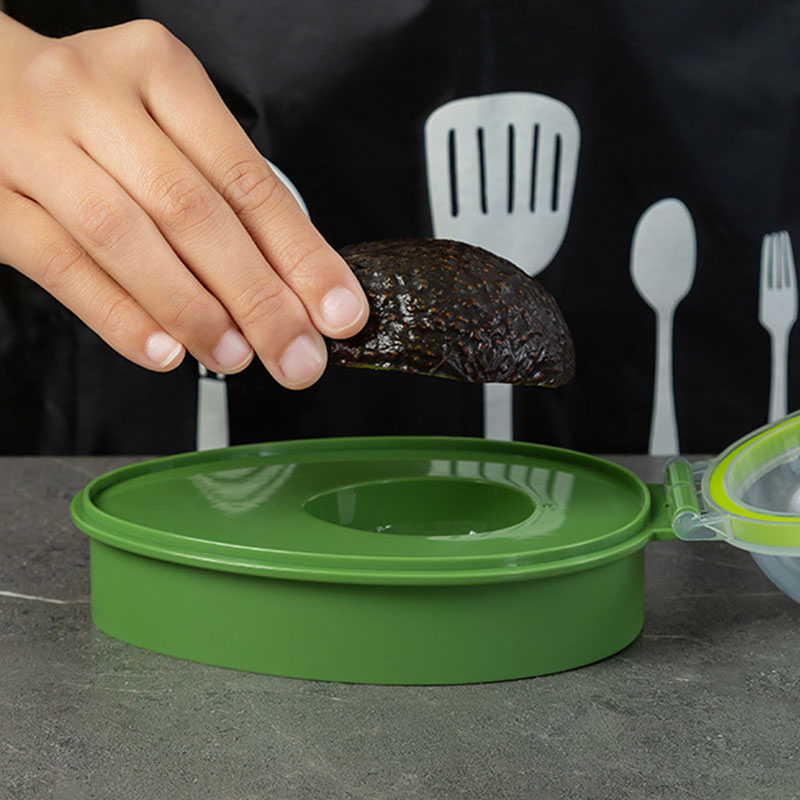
[736, 471]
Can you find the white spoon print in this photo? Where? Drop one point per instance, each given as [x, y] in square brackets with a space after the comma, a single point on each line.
[663, 255]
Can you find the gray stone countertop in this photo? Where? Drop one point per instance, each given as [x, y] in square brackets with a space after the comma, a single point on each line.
[704, 704]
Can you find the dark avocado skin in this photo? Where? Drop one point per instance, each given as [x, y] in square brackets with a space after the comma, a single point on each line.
[453, 310]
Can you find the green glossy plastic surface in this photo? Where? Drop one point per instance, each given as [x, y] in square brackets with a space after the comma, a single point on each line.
[382, 560]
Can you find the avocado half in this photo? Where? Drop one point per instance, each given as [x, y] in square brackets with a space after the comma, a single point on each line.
[452, 310]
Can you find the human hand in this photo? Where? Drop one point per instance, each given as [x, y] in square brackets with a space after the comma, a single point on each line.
[131, 194]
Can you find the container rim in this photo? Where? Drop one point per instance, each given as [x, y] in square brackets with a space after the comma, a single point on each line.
[514, 565]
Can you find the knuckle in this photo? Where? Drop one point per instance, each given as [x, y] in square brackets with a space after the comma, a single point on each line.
[58, 261]
[181, 202]
[191, 310]
[114, 315]
[249, 186]
[155, 46]
[299, 259]
[54, 88]
[53, 69]
[151, 36]
[104, 222]
[261, 301]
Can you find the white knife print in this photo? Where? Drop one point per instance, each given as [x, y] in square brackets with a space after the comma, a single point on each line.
[663, 256]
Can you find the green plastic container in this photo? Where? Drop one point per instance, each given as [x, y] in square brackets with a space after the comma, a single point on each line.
[414, 560]
[379, 560]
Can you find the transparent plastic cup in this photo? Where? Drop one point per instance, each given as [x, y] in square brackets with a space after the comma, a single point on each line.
[748, 496]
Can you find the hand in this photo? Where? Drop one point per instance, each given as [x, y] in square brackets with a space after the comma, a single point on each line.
[131, 194]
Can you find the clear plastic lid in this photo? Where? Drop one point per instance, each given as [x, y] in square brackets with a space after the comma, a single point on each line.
[749, 495]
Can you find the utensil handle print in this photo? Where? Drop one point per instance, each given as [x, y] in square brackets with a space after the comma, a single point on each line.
[212, 428]
[778, 380]
[664, 426]
[212, 410]
[498, 414]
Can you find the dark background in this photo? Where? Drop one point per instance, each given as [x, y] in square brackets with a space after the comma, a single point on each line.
[687, 99]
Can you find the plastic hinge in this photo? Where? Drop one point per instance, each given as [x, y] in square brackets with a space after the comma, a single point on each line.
[679, 480]
[690, 521]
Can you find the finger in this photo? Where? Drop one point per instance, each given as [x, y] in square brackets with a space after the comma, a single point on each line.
[120, 238]
[35, 244]
[211, 241]
[191, 113]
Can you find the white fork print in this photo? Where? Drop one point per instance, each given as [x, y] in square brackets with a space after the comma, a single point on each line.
[777, 312]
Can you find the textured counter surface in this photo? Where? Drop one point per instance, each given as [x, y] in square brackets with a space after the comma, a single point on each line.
[705, 704]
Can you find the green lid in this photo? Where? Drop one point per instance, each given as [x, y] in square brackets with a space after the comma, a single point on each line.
[393, 510]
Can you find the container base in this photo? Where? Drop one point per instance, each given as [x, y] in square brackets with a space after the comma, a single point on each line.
[379, 634]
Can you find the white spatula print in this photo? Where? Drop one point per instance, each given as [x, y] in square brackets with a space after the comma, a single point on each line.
[501, 175]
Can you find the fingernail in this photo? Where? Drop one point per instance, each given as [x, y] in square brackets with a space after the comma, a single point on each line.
[301, 361]
[341, 307]
[162, 349]
[232, 351]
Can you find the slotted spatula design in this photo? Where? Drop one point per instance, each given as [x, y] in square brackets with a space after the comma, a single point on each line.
[501, 175]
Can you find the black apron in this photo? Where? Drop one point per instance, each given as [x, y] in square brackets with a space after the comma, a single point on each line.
[689, 100]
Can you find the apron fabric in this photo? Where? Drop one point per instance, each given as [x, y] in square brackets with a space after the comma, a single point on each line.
[690, 100]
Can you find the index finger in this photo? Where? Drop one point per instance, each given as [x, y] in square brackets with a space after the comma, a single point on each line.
[187, 107]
